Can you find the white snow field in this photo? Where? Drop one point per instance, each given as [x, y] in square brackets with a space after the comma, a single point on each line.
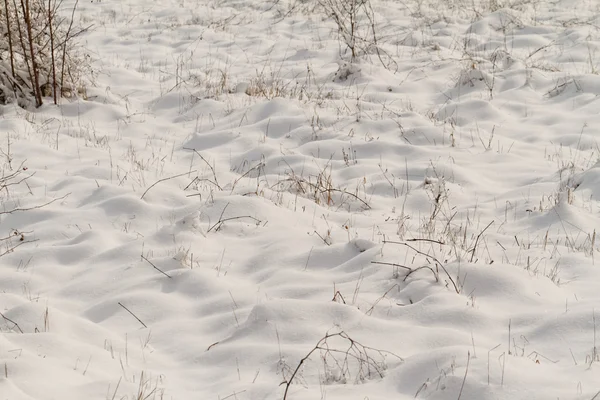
[234, 193]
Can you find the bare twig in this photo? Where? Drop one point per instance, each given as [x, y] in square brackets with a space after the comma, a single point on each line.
[323, 239]
[156, 268]
[212, 345]
[477, 240]
[370, 310]
[338, 295]
[426, 240]
[34, 67]
[134, 316]
[439, 264]
[64, 45]
[11, 321]
[165, 179]
[51, 30]
[216, 182]
[10, 249]
[488, 362]
[348, 193]
[116, 389]
[362, 355]
[10, 44]
[222, 221]
[22, 41]
[234, 394]
[465, 378]
[14, 210]
[257, 166]
[409, 269]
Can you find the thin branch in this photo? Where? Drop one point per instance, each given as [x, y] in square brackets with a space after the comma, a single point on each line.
[429, 257]
[288, 383]
[134, 316]
[355, 350]
[11, 249]
[234, 394]
[10, 44]
[34, 67]
[370, 310]
[257, 166]
[410, 270]
[11, 321]
[222, 221]
[322, 238]
[156, 268]
[348, 193]
[216, 182]
[465, 378]
[51, 16]
[64, 45]
[35, 207]
[477, 240]
[22, 41]
[426, 240]
[165, 179]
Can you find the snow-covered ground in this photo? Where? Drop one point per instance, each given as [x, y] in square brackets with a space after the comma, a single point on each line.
[232, 195]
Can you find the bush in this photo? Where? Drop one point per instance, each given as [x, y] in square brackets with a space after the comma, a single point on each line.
[37, 52]
[357, 29]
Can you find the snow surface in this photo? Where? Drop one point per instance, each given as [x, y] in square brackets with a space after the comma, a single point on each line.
[480, 141]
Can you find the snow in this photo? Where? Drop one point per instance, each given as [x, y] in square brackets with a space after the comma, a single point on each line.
[232, 189]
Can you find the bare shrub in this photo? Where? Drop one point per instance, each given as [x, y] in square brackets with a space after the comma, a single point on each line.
[38, 56]
[10, 178]
[344, 360]
[356, 28]
[321, 189]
